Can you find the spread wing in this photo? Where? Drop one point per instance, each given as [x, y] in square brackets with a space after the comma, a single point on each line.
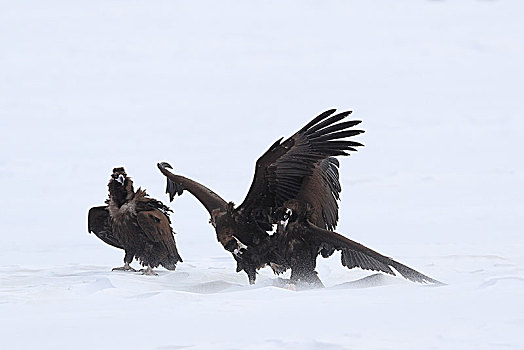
[357, 255]
[176, 184]
[99, 223]
[155, 226]
[322, 192]
[302, 167]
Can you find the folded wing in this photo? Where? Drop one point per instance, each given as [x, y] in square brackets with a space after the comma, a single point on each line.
[99, 223]
[155, 226]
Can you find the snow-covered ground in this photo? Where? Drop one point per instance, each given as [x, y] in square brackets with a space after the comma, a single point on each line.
[208, 86]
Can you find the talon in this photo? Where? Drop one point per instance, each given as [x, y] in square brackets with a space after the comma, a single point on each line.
[148, 271]
[126, 267]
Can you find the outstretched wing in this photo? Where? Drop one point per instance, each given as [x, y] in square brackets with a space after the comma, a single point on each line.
[322, 191]
[176, 185]
[357, 255]
[298, 167]
[155, 226]
[99, 223]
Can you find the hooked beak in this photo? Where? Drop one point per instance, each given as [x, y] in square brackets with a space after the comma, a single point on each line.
[238, 250]
[285, 221]
[121, 179]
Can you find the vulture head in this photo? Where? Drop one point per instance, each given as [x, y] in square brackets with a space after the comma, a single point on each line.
[173, 188]
[120, 186]
[283, 215]
[292, 210]
[119, 174]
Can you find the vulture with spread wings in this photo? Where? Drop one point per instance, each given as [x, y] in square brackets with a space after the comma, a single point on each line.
[301, 167]
[136, 223]
[300, 172]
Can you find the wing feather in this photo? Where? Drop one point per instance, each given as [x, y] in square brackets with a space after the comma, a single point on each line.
[156, 228]
[322, 192]
[298, 167]
[326, 122]
[357, 255]
[153, 224]
[99, 223]
[176, 184]
[318, 119]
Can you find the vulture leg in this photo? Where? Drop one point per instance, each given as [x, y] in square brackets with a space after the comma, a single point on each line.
[252, 276]
[303, 261]
[128, 258]
[148, 271]
[277, 268]
[306, 276]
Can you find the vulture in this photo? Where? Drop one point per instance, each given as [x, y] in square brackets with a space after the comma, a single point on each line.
[301, 167]
[136, 223]
[298, 241]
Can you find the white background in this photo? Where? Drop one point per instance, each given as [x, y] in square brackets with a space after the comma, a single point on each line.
[208, 86]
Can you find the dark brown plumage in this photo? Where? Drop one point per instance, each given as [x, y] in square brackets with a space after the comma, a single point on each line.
[302, 167]
[298, 241]
[136, 223]
[99, 223]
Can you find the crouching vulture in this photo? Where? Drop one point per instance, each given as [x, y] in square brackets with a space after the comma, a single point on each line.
[298, 241]
[302, 167]
[136, 223]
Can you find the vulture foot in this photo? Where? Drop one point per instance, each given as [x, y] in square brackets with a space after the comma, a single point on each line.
[126, 267]
[278, 269]
[148, 271]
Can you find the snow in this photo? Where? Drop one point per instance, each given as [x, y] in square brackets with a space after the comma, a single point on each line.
[208, 86]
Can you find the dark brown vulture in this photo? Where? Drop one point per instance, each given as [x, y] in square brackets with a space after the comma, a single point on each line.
[298, 241]
[302, 167]
[136, 223]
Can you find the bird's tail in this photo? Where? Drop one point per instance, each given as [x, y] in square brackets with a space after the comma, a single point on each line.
[171, 259]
